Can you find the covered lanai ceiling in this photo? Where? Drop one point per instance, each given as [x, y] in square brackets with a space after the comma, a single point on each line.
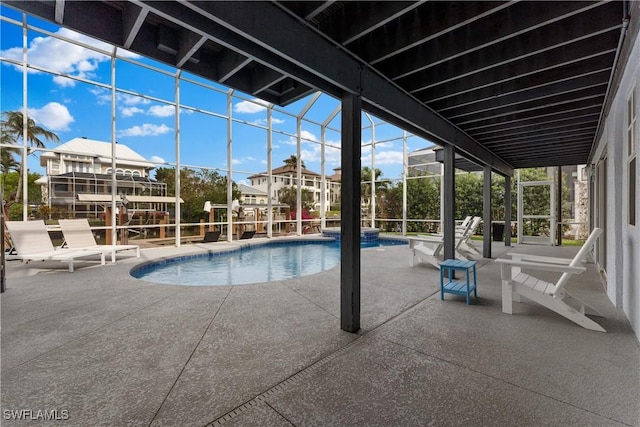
[510, 84]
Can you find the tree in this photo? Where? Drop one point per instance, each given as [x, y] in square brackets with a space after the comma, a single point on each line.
[197, 187]
[382, 186]
[12, 128]
[10, 181]
[293, 162]
[289, 196]
[390, 206]
[423, 202]
[7, 161]
[469, 194]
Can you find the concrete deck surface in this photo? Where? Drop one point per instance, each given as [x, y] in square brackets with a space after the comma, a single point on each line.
[104, 349]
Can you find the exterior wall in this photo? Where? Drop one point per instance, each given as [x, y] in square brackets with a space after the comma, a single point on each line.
[289, 180]
[65, 163]
[622, 239]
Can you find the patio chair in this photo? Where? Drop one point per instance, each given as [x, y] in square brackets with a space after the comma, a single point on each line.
[426, 249]
[465, 248]
[464, 225]
[32, 243]
[247, 235]
[211, 236]
[553, 296]
[78, 236]
[429, 249]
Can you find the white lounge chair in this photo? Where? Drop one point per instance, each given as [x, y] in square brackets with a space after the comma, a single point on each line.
[78, 236]
[32, 243]
[551, 295]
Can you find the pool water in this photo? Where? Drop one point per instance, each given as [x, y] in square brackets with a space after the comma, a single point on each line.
[256, 264]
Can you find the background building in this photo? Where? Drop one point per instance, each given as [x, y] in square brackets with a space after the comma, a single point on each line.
[83, 166]
[286, 176]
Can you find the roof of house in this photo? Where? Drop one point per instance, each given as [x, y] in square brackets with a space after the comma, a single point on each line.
[100, 150]
[285, 170]
[245, 190]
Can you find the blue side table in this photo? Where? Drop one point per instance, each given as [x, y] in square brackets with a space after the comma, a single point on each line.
[448, 284]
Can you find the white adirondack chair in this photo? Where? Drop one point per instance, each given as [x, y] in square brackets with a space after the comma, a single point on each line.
[554, 296]
[465, 248]
[429, 249]
[426, 249]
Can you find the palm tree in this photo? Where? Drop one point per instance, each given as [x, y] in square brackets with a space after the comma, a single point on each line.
[7, 161]
[13, 130]
[293, 162]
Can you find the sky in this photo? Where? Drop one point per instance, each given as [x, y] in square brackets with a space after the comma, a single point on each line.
[72, 108]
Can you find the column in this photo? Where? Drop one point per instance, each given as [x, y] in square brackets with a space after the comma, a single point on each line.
[350, 224]
[507, 211]
[449, 202]
[486, 213]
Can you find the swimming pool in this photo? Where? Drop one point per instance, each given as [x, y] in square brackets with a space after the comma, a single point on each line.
[268, 262]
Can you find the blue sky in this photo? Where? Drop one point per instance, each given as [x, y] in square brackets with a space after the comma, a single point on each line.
[73, 108]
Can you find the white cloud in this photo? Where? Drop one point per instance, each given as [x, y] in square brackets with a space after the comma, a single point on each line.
[157, 159]
[263, 122]
[53, 116]
[384, 158]
[126, 99]
[242, 160]
[388, 144]
[146, 129]
[305, 136]
[63, 57]
[252, 106]
[162, 110]
[314, 153]
[103, 96]
[130, 111]
[123, 100]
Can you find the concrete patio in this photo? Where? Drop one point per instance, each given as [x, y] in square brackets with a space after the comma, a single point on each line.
[108, 349]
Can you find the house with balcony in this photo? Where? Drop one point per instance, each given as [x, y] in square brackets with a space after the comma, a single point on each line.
[79, 178]
[287, 176]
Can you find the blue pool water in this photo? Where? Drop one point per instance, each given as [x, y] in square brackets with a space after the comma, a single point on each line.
[256, 264]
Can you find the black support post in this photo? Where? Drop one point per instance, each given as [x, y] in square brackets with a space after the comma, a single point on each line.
[350, 218]
[486, 213]
[449, 202]
[559, 208]
[507, 211]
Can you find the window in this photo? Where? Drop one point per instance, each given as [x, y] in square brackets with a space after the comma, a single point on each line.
[631, 156]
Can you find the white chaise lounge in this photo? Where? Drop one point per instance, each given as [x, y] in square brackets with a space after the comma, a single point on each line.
[31, 242]
[554, 296]
[78, 236]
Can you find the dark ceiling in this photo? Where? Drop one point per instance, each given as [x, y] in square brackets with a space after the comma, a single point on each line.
[510, 84]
